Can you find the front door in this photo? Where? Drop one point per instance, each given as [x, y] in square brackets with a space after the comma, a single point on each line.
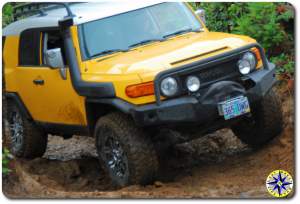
[48, 97]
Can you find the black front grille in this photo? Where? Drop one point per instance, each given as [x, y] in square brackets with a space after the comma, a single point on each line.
[215, 73]
[209, 75]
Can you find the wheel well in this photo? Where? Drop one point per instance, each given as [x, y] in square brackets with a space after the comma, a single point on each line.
[11, 97]
[94, 111]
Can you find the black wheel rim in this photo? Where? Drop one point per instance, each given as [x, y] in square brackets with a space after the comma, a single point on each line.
[16, 131]
[114, 156]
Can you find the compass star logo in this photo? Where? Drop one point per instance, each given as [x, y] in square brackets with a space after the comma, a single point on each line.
[279, 183]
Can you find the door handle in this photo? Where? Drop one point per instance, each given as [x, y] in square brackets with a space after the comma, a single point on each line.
[39, 81]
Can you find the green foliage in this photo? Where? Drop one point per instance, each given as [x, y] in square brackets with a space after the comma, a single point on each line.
[260, 22]
[6, 156]
[7, 17]
[286, 16]
[271, 24]
[285, 64]
[221, 17]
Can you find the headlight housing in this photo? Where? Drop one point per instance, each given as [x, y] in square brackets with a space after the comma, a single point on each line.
[169, 86]
[192, 83]
[247, 63]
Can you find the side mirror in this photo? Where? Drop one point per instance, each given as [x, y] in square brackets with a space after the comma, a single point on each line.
[54, 58]
[201, 14]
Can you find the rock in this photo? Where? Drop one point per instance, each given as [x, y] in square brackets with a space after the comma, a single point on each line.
[158, 184]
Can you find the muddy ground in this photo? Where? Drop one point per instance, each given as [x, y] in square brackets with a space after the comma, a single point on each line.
[215, 166]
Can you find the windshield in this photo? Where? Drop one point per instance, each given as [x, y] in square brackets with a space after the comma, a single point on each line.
[123, 31]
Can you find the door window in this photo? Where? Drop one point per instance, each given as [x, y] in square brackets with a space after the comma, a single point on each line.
[34, 43]
[29, 48]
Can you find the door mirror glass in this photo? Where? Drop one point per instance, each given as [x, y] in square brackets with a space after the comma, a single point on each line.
[201, 14]
[54, 58]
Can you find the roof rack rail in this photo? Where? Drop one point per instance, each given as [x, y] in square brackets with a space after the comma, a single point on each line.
[30, 9]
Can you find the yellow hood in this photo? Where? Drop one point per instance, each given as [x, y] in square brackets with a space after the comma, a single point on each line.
[148, 60]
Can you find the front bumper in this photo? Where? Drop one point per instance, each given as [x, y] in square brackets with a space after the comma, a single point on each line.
[203, 108]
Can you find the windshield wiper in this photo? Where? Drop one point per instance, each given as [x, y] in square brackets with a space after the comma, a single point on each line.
[181, 32]
[143, 42]
[106, 52]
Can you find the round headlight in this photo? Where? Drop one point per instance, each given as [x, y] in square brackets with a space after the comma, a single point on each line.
[244, 66]
[193, 83]
[169, 86]
[247, 63]
[251, 58]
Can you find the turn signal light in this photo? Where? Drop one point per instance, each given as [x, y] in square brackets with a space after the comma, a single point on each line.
[138, 90]
[256, 51]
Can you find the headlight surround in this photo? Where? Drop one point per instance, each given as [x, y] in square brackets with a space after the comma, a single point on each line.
[169, 86]
[247, 63]
[193, 83]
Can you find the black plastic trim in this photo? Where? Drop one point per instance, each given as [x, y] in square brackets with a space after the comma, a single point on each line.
[3, 42]
[118, 103]
[17, 99]
[63, 129]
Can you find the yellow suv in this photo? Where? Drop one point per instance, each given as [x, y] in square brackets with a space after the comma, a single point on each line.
[132, 75]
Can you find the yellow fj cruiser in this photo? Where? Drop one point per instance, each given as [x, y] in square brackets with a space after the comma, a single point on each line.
[131, 75]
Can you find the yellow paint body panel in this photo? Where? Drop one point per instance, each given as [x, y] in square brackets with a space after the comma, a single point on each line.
[54, 102]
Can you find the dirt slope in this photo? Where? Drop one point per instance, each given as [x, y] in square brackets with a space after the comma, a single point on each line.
[215, 166]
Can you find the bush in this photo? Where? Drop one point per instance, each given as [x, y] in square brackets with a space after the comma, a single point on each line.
[285, 64]
[6, 157]
[271, 24]
[221, 17]
[260, 22]
[7, 17]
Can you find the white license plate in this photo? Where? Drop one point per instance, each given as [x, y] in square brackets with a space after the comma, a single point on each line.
[234, 107]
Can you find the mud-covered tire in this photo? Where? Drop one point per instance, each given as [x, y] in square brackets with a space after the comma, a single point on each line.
[265, 123]
[32, 141]
[137, 150]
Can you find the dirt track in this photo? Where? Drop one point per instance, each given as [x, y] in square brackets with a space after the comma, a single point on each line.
[215, 166]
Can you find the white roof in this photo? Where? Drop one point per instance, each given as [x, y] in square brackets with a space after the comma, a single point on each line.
[84, 12]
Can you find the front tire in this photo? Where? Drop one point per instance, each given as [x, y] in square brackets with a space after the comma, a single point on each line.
[24, 138]
[265, 123]
[124, 150]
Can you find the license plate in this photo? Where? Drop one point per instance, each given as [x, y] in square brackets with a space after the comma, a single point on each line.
[234, 107]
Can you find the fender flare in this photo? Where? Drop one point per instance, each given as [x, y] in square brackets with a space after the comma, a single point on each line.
[19, 103]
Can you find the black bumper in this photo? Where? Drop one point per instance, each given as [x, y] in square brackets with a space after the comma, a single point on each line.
[204, 108]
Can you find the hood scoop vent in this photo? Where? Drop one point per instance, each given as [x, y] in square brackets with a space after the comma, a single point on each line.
[198, 56]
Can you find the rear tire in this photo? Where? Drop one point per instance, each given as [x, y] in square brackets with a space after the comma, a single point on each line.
[127, 154]
[265, 123]
[24, 138]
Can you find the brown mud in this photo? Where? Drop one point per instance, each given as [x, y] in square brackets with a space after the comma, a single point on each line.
[215, 166]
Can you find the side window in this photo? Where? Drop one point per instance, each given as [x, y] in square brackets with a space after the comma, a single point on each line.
[29, 48]
[51, 40]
